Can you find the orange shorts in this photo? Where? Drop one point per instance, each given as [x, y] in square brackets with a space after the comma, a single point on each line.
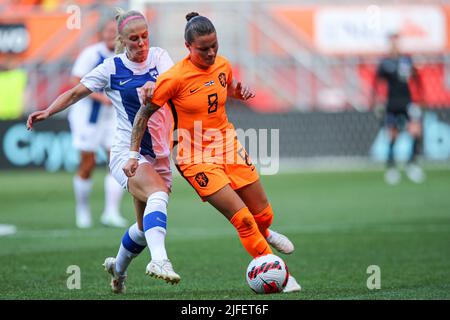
[208, 178]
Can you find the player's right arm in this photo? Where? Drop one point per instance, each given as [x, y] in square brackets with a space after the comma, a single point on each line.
[62, 102]
[97, 96]
[86, 61]
[94, 81]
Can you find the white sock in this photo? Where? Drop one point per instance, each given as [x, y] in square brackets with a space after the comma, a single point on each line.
[155, 221]
[113, 195]
[82, 188]
[133, 242]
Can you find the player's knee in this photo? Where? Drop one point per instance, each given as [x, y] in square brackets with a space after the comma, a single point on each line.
[159, 189]
[85, 170]
[260, 204]
[414, 129]
[87, 166]
[264, 218]
[244, 222]
[393, 133]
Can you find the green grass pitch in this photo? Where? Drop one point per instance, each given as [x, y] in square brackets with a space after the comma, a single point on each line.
[341, 223]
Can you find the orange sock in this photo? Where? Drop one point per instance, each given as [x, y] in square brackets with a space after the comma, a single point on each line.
[251, 238]
[264, 220]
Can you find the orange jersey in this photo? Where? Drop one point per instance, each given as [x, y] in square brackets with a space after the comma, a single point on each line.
[197, 98]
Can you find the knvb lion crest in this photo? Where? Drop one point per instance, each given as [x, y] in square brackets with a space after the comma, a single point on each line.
[223, 79]
[201, 179]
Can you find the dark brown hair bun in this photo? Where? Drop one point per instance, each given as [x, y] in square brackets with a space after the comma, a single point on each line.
[189, 16]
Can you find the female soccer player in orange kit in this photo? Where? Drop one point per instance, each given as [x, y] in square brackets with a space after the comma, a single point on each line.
[196, 89]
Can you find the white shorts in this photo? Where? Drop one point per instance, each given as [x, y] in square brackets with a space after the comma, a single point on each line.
[92, 129]
[118, 160]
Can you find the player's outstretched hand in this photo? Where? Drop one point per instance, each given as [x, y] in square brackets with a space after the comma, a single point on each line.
[146, 92]
[243, 92]
[36, 117]
[130, 167]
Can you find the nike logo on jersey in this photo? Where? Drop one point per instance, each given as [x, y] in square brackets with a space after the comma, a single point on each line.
[193, 90]
[121, 83]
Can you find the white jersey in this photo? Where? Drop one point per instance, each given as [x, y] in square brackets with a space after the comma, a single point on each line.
[121, 79]
[92, 124]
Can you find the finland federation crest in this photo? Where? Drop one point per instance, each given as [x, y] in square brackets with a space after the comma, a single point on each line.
[153, 73]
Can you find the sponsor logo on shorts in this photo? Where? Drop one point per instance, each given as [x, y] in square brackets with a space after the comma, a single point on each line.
[201, 179]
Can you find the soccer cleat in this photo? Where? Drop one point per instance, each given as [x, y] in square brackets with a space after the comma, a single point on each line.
[392, 176]
[117, 280]
[415, 173]
[280, 242]
[292, 285]
[113, 220]
[83, 220]
[162, 269]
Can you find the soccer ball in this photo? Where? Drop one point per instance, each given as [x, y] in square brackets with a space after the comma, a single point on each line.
[267, 274]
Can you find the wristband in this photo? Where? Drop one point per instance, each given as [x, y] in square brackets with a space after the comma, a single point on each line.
[134, 155]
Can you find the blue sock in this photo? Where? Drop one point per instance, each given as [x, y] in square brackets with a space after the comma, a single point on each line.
[133, 242]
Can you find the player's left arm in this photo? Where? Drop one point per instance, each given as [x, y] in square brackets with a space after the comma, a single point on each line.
[239, 91]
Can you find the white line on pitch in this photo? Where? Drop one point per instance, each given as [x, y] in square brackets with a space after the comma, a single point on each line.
[7, 229]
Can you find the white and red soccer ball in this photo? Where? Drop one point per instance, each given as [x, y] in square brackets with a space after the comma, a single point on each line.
[267, 274]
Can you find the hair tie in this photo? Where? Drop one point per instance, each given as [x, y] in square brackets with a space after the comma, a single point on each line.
[128, 19]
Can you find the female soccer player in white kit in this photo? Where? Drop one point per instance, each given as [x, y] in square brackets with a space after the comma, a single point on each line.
[93, 122]
[121, 77]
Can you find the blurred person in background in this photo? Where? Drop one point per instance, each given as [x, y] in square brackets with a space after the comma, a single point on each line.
[122, 78]
[92, 123]
[400, 112]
